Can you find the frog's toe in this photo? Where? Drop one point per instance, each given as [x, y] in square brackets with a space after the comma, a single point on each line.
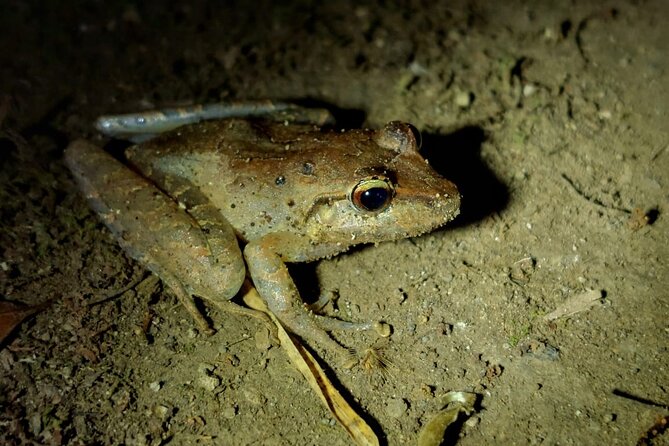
[330, 324]
[383, 329]
[322, 301]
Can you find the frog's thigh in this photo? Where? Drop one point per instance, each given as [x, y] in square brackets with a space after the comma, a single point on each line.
[224, 271]
[273, 282]
[152, 229]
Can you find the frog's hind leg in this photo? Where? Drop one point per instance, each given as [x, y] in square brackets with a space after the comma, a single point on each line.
[222, 243]
[141, 126]
[188, 301]
[192, 258]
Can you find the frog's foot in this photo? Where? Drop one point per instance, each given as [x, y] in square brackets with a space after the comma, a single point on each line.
[328, 323]
[233, 308]
[304, 325]
[314, 329]
[188, 301]
[318, 305]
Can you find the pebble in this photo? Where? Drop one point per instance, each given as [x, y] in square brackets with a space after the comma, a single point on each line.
[229, 412]
[262, 340]
[208, 382]
[463, 99]
[161, 411]
[254, 397]
[396, 408]
[610, 418]
[472, 422]
[529, 90]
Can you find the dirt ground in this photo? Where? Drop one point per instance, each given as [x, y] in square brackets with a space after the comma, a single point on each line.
[551, 117]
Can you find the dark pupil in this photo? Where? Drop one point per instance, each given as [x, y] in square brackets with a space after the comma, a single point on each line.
[374, 198]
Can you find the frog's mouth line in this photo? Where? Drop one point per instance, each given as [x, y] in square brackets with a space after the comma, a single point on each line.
[326, 198]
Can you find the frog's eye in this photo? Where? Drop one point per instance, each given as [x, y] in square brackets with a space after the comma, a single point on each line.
[372, 194]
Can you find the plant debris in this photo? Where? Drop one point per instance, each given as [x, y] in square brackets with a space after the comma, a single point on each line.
[356, 427]
[576, 304]
[434, 431]
[12, 314]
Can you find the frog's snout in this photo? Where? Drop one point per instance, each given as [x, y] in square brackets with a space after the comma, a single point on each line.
[435, 202]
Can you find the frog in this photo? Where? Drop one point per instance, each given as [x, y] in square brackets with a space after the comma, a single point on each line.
[210, 203]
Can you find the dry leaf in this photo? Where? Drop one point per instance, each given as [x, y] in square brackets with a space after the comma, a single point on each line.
[356, 427]
[432, 434]
[12, 314]
[576, 304]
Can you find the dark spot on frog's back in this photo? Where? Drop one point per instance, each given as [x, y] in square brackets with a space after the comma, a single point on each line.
[307, 168]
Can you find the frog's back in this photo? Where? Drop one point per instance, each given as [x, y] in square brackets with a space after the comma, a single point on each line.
[261, 175]
[266, 177]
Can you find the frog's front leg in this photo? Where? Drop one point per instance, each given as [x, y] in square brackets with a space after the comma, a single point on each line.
[194, 253]
[266, 259]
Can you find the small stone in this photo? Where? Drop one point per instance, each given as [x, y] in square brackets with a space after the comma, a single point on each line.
[66, 372]
[550, 35]
[254, 397]
[208, 382]
[262, 340]
[472, 422]
[396, 408]
[229, 412]
[155, 386]
[161, 411]
[382, 329]
[605, 115]
[463, 99]
[529, 89]
[36, 423]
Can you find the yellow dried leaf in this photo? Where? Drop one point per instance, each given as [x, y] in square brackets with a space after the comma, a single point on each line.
[432, 434]
[356, 427]
[12, 314]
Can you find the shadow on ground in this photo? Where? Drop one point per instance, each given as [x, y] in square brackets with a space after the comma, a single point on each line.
[457, 156]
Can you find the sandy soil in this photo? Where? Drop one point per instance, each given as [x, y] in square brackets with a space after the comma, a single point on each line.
[550, 116]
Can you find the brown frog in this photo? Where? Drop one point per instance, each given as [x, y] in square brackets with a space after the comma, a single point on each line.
[207, 203]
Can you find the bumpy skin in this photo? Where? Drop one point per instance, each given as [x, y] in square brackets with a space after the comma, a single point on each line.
[282, 191]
